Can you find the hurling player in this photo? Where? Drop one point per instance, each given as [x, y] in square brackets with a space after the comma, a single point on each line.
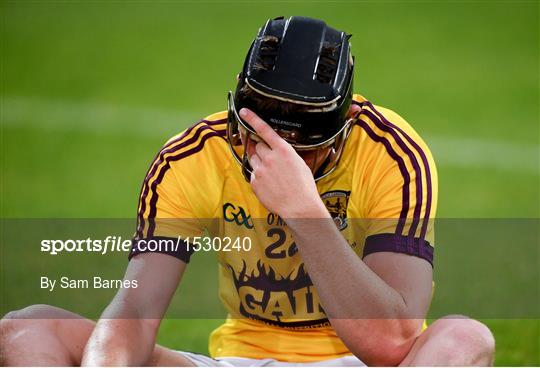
[337, 197]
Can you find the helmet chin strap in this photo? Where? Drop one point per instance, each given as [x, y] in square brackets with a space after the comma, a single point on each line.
[321, 168]
[315, 160]
[246, 168]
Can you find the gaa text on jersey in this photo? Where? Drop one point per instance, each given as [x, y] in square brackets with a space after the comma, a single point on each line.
[238, 215]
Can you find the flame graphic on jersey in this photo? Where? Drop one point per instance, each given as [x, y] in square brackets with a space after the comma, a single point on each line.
[268, 282]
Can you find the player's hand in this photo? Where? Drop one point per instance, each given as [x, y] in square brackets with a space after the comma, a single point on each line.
[281, 179]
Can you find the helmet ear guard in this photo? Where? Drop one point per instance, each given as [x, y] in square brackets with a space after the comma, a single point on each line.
[302, 71]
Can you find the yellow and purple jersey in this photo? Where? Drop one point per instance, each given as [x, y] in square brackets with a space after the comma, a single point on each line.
[381, 196]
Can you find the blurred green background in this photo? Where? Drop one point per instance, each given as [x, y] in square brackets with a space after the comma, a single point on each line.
[91, 90]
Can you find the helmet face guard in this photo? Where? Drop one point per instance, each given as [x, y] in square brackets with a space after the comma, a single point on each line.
[305, 70]
[240, 134]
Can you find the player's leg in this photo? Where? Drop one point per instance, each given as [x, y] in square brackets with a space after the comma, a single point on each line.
[42, 335]
[453, 341]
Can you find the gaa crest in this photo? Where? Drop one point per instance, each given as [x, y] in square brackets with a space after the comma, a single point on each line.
[336, 203]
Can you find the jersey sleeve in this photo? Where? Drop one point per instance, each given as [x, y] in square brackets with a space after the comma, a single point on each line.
[402, 190]
[177, 196]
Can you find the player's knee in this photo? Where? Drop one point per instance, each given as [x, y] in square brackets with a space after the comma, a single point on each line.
[22, 328]
[8, 325]
[34, 317]
[463, 333]
[38, 311]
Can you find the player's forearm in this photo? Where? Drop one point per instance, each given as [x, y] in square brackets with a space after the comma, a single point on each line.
[359, 303]
[121, 341]
[339, 275]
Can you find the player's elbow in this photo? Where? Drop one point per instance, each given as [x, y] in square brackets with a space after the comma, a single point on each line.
[384, 343]
[385, 351]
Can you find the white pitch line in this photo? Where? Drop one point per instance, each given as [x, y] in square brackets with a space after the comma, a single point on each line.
[92, 117]
[101, 118]
[479, 153]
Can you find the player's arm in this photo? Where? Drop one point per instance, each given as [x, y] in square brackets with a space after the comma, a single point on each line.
[377, 304]
[126, 332]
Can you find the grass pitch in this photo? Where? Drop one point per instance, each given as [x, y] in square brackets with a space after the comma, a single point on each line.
[90, 91]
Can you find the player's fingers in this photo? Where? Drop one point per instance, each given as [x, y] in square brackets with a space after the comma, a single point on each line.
[255, 162]
[262, 150]
[264, 130]
[354, 110]
[250, 147]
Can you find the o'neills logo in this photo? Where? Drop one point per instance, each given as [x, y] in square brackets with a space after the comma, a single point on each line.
[285, 122]
[336, 203]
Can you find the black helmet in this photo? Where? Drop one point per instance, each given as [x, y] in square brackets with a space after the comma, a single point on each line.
[305, 69]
